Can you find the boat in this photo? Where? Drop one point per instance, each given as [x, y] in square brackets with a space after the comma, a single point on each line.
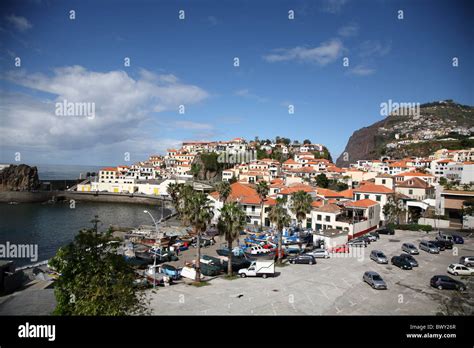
[224, 251]
[155, 278]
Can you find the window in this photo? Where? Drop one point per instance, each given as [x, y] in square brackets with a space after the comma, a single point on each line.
[327, 218]
[357, 197]
[318, 217]
[384, 181]
[253, 208]
[378, 198]
[366, 196]
[410, 191]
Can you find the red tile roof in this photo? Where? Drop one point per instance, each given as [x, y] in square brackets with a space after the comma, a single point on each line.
[372, 188]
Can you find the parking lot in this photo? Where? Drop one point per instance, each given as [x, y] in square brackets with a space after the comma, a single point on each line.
[333, 287]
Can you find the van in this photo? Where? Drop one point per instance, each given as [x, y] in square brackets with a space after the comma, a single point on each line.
[445, 237]
[428, 247]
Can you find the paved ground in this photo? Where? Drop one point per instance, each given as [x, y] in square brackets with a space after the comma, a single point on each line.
[333, 286]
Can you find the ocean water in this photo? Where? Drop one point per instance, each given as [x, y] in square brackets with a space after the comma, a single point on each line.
[64, 172]
[51, 226]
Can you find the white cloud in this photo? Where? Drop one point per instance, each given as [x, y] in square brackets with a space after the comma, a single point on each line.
[349, 30]
[323, 54]
[20, 23]
[374, 48]
[333, 6]
[361, 70]
[245, 93]
[193, 125]
[124, 109]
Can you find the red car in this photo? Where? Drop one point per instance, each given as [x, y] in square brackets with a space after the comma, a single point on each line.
[340, 249]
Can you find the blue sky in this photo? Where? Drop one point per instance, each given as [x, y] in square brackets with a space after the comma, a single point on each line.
[190, 62]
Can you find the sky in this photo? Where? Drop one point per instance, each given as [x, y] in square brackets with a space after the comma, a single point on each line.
[191, 63]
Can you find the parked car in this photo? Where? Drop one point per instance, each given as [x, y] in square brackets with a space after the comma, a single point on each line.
[371, 237]
[445, 282]
[386, 230]
[366, 238]
[401, 262]
[410, 248]
[444, 237]
[375, 234]
[457, 239]
[357, 243]
[458, 269]
[429, 247]
[374, 280]
[303, 258]
[378, 256]
[447, 244]
[441, 246]
[410, 259]
[340, 249]
[319, 253]
[467, 261]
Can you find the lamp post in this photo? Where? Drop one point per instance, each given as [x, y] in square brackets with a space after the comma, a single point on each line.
[154, 221]
[154, 252]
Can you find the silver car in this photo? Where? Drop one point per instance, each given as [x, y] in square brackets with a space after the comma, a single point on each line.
[374, 280]
[319, 253]
[410, 248]
[428, 247]
[378, 256]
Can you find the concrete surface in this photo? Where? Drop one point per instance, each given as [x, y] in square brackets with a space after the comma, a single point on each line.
[333, 287]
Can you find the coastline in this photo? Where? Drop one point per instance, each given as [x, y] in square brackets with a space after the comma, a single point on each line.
[41, 197]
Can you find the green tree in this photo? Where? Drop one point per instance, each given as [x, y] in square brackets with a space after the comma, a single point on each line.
[300, 205]
[198, 213]
[224, 190]
[306, 142]
[322, 180]
[443, 181]
[94, 279]
[280, 218]
[231, 221]
[262, 190]
[195, 169]
[393, 209]
[173, 191]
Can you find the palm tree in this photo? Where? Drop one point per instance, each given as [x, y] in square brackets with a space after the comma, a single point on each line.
[262, 190]
[301, 205]
[231, 221]
[279, 216]
[173, 190]
[198, 213]
[224, 190]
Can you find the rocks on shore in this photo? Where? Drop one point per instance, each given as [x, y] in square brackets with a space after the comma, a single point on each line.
[19, 178]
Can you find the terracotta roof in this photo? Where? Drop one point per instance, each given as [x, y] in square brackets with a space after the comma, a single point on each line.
[363, 203]
[109, 169]
[415, 183]
[349, 193]
[327, 193]
[413, 174]
[329, 208]
[372, 188]
[296, 188]
[317, 204]
[384, 175]
[290, 161]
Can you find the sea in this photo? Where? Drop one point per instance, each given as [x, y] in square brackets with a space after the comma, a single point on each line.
[64, 171]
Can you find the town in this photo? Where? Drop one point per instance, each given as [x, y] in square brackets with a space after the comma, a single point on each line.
[351, 199]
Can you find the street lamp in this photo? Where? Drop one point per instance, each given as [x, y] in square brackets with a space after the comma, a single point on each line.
[154, 221]
[154, 253]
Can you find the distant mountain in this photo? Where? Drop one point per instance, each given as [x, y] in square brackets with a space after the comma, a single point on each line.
[418, 132]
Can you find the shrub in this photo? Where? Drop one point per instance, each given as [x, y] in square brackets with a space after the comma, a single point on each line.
[411, 227]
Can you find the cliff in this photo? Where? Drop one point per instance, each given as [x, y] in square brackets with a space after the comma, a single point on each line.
[442, 124]
[19, 178]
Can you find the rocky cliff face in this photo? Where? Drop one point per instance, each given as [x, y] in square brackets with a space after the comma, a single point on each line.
[443, 124]
[19, 178]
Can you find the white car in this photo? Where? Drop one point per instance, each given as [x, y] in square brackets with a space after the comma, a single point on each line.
[319, 253]
[458, 269]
